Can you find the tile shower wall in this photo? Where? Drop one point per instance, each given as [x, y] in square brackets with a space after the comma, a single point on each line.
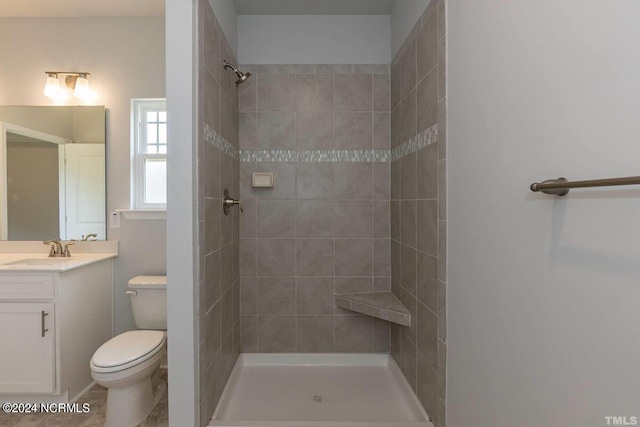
[218, 290]
[418, 208]
[324, 132]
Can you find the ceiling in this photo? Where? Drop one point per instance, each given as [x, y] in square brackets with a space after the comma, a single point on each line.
[75, 8]
[314, 7]
[98, 8]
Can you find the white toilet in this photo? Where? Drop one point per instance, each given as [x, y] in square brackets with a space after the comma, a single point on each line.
[126, 364]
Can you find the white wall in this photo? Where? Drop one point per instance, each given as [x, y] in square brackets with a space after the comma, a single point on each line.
[404, 15]
[314, 39]
[182, 241]
[225, 11]
[125, 57]
[544, 292]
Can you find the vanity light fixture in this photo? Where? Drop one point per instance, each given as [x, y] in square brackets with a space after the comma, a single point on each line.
[78, 82]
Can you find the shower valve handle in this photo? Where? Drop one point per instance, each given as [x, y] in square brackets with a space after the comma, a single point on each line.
[229, 202]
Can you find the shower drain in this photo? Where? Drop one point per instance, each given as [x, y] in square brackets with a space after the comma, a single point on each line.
[318, 398]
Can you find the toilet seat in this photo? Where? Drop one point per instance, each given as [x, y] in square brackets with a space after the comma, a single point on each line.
[127, 350]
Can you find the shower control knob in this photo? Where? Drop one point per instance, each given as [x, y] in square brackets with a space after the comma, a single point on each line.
[229, 202]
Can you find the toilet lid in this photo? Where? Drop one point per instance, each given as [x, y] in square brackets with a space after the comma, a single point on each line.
[128, 347]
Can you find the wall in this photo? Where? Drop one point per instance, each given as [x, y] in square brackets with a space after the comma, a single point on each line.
[314, 39]
[418, 208]
[218, 234]
[182, 224]
[125, 57]
[225, 11]
[404, 15]
[544, 293]
[324, 227]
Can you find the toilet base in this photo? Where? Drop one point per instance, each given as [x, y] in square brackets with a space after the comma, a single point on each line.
[131, 394]
[129, 405]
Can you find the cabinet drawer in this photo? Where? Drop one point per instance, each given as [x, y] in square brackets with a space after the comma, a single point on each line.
[26, 287]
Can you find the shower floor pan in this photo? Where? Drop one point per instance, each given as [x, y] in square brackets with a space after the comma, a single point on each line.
[313, 390]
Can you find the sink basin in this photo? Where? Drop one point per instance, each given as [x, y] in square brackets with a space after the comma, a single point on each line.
[38, 261]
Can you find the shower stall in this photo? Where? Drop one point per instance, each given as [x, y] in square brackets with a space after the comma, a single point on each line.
[322, 230]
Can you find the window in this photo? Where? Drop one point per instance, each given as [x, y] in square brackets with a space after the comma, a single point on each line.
[149, 153]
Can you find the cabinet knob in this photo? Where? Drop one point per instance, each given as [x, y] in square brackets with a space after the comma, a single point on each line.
[131, 293]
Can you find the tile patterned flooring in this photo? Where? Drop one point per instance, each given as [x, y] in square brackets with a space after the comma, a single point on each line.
[97, 398]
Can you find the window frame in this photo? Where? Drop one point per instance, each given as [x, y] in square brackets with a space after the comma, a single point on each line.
[139, 108]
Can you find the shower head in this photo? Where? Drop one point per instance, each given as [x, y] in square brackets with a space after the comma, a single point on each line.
[242, 77]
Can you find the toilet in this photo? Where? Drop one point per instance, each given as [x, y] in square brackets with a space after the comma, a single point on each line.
[127, 365]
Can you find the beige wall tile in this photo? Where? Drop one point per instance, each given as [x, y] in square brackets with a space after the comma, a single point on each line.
[315, 334]
[353, 334]
[276, 257]
[427, 280]
[354, 131]
[427, 330]
[353, 181]
[276, 92]
[353, 218]
[428, 101]
[353, 257]
[408, 209]
[276, 295]
[427, 45]
[353, 92]
[314, 181]
[314, 92]
[213, 279]
[381, 94]
[249, 334]
[381, 181]
[248, 295]
[381, 131]
[408, 266]
[276, 130]
[314, 257]
[428, 226]
[248, 96]
[276, 334]
[314, 130]
[314, 218]
[382, 258]
[314, 295]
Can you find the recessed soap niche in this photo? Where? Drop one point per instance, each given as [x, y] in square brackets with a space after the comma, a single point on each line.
[262, 180]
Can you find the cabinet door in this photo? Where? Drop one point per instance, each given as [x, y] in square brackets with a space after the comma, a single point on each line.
[27, 356]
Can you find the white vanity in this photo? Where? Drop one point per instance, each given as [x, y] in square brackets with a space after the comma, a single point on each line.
[54, 314]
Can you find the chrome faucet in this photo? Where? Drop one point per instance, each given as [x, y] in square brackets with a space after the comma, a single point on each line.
[57, 250]
[85, 238]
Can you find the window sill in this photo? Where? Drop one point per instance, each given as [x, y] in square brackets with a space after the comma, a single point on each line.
[143, 214]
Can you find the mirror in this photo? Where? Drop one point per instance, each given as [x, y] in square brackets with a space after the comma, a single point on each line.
[52, 173]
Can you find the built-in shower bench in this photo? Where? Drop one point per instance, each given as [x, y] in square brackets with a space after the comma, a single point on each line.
[382, 305]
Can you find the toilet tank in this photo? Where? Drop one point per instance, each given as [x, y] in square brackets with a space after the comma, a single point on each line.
[149, 301]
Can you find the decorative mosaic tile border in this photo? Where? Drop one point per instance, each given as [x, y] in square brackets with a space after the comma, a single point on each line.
[218, 141]
[424, 138]
[314, 156]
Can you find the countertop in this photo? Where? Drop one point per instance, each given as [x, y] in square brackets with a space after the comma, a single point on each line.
[52, 264]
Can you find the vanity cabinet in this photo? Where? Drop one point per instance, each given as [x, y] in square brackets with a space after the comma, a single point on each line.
[28, 347]
[51, 323]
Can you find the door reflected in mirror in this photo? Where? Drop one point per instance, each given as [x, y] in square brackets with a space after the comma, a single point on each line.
[52, 173]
